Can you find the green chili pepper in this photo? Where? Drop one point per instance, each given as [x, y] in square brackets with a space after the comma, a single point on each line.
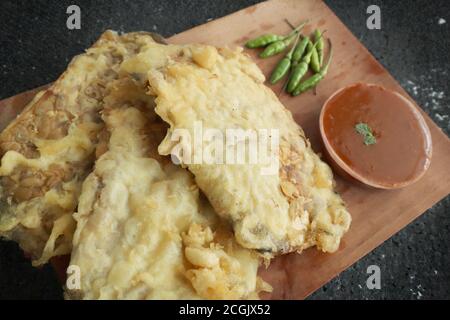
[300, 50]
[277, 47]
[280, 71]
[284, 65]
[315, 63]
[320, 45]
[263, 41]
[299, 71]
[315, 79]
[281, 45]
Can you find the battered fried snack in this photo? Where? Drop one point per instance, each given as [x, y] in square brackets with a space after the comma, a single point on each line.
[143, 229]
[290, 210]
[49, 149]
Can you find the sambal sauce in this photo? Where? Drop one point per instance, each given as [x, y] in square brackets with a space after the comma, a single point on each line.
[378, 134]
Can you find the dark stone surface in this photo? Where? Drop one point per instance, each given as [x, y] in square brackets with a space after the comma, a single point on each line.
[412, 45]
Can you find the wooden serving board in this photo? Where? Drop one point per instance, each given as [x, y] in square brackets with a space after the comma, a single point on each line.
[377, 214]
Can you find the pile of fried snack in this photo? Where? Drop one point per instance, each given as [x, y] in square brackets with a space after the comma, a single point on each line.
[86, 172]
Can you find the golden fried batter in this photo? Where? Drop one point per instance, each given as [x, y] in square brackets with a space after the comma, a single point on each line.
[49, 149]
[290, 210]
[143, 230]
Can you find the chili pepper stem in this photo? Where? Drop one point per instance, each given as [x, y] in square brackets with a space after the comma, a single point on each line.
[299, 27]
[325, 67]
[289, 24]
[295, 29]
[289, 55]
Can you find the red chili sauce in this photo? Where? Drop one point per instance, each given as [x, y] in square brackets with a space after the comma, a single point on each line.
[402, 150]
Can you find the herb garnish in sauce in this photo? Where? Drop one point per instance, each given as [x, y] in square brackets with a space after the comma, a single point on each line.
[366, 131]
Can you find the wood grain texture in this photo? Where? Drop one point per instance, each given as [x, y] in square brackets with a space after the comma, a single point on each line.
[11, 107]
[377, 214]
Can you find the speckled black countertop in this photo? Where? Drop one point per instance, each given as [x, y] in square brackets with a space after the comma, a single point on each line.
[413, 45]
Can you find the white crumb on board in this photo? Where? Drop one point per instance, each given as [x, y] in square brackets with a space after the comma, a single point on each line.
[441, 117]
[417, 294]
[433, 99]
[442, 21]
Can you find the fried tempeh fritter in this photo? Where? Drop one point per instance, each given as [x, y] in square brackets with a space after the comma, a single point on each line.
[143, 229]
[290, 210]
[49, 149]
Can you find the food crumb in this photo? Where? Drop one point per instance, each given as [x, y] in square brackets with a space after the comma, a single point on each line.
[442, 21]
[434, 100]
[441, 117]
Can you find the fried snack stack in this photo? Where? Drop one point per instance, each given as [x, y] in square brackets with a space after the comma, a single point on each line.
[86, 170]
